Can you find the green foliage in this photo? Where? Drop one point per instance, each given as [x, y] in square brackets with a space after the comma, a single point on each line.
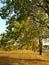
[30, 20]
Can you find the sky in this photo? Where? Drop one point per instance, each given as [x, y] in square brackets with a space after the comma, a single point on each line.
[2, 23]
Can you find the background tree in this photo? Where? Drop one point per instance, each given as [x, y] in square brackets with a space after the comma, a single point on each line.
[38, 10]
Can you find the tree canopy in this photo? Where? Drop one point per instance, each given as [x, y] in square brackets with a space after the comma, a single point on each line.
[28, 18]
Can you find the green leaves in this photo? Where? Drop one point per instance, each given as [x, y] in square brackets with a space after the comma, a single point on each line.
[26, 19]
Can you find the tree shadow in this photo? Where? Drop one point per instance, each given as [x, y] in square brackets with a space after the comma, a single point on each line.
[13, 61]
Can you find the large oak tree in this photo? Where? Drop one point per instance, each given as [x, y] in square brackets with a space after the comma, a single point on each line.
[37, 10]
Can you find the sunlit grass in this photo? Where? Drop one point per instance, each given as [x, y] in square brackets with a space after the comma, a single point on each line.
[23, 57]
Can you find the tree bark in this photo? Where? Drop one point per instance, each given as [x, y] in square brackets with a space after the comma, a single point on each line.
[40, 45]
[34, 47]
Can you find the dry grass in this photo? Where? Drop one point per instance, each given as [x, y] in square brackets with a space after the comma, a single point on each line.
[23, 57]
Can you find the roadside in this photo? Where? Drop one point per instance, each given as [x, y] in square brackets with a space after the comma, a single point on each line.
[23, 57]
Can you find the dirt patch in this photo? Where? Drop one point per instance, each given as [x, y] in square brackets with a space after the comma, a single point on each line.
[23, 57]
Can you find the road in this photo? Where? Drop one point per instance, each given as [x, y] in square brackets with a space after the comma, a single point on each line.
[46, 51]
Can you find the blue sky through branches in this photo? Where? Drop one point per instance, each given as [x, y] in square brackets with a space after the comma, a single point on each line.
[2, 23]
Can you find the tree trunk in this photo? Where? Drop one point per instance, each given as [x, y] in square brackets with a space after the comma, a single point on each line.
[34, 47]
[40, 45]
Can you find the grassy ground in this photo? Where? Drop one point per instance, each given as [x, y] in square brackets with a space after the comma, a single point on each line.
[23, 57]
